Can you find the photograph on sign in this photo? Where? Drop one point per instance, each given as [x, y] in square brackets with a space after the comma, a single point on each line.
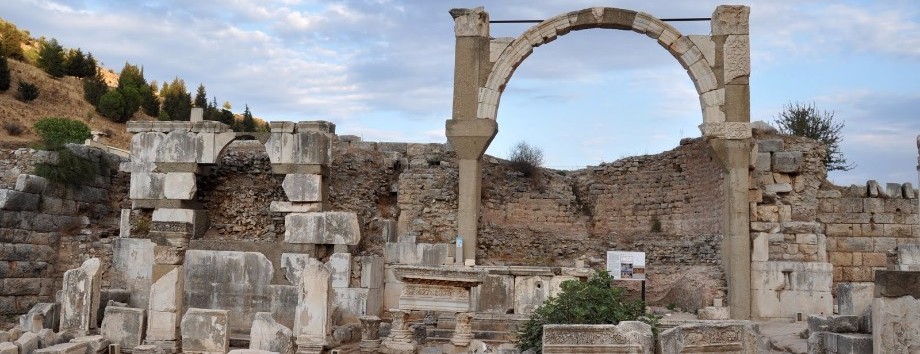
[626, 265]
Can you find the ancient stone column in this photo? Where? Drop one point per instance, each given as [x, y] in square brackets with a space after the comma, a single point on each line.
[370, 335]
[400, 339]
[468, 135]
[313, 316]
[463, 332]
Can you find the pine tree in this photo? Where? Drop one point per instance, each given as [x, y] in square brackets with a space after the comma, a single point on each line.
[249, 123]
[131, 76]
[112, 106]
[177, 103]
[211, 112]
[94, 87]
[226, 117]
[150, 104]
[201, 97]
[51, 58]
[89, 66]
[4, 74]
[74, 63]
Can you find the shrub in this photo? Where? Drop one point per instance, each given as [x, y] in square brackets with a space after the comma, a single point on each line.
[71, 169]
[525, 159]
[4, 74]
[806, 120]
[55, 132]
[591, 302]
[14, 128]
[112, 106]
[27, 92]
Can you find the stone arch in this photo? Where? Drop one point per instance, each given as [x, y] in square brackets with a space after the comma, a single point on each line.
[681, 47]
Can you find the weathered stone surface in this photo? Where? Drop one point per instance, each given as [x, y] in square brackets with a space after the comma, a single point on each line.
[897, 283]
[15, 200]
[27, 343]
[40, 316]
[434, 298]
[205, 331]
[307, 148]
[235, 281]
[854, 298]
[303, 187]
[714, 337]
[63, 348]
[340, 228]
[895, 324]
[81, 297]
[312, 319]
[146, 349]
[529, 293]
[852, 343]
[730, 19]
[352, 303]
[626, 337]
[47, 338]
[179, 185]
[908, 255]
[165, 302]
[268, 335]
[782, 289]
[31, 184]
[713, 313]
[432, 254]
[295, 207]
[10, 348]
[124, 326]
[494, 295]
[95, 344]
[340, 264]
[787, 161]
[372, 272]
[132, 261]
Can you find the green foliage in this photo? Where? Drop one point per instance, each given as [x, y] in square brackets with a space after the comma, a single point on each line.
[11, 40]
[71, 169]
[51, 58]
[27, 92]
[149, 101]
[656, 225]
[805, 120]
[177, 103]
[526, 159]
[248, 124]
[4, 74]
[133, 99]
[201, 97]
[94, 87]
[55, 132]
[226, 117]
[112, 106]
[593, 302]
[131, 76]
[79, 65]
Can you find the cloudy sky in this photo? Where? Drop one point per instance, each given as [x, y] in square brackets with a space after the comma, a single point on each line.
[383, 69]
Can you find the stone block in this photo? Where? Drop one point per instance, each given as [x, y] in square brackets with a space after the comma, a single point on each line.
[80, 297]
[340, 265]
[770, 145]
[315, 126]
[230, 280]
[11, 348]
[95, 344]
[432, 254]
[529, 293]
[401, 253]
[146, 349]
[124, 326]
[146, 185]
[787, 161]
[313, 315]
[16, 200]
[178, 146]
[425, 297]
[268, 335]
[301, 187]
[63, 348]
[31, 184]
[494, 295]
[132, 269]
[340, 228]
[179, 185]
[762, 162]
[731, 19]
[854, 298]
[849, 343]
[895, 324]
[372, 272]
[197, 218]
[205, 331]
[40, 316]
[908, 255]
[251, 351]
[730, 336]
[27, 343]
[713, 313]
[625, 337]
[351, 304]
[893, 284]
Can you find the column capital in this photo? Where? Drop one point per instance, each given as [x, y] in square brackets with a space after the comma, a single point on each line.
[470, 137]
[470, 22]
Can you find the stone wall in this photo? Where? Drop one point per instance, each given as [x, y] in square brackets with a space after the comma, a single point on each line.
[48, 228]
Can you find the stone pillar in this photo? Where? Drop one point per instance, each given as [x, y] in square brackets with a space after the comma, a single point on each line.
[468, 135]
[80, 297]
[463, 332]
[370, 335]
[400, 339]
[918, 174]
[730, 33]
[313, 316]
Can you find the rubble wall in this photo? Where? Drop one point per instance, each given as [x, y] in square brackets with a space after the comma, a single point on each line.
[48, 228]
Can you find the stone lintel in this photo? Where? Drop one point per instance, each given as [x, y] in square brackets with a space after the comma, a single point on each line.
[165, 204]
[290, 168]
[315, 126]
[455, 276]
[158, 126]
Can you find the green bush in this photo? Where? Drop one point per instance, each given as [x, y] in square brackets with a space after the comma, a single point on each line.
[27, 92]
[593, 302]
[71, 169]
[4, 74]
[55, 132]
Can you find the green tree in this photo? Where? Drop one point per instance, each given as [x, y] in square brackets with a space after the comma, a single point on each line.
[226, 117]
[51, 58]
[55, 132]
[94, 87]
[11, 39]
[132, 96]
[149, 101]
[131, 76]
[89, 66]
[112, 106]
[201, 97]
[4, 74]
[593, 302]
[177, 103]
[75, 63]
[806, 120]
[249, 123]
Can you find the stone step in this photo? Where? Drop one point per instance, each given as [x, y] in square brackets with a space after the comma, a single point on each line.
[436, 334]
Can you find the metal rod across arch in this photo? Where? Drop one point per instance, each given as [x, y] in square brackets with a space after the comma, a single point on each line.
[688, 19]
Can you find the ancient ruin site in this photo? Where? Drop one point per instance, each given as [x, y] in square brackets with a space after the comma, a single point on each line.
[201, 239]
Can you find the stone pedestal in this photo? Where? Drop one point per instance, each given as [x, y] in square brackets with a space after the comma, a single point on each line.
[400, 339]
[370, 335]
[463, 332]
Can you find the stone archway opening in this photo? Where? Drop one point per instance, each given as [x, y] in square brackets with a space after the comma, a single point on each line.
[718, 64]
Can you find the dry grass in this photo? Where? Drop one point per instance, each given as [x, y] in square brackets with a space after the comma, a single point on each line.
[57, 97]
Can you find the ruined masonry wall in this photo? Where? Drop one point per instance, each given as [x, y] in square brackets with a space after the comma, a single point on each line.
[46, 229]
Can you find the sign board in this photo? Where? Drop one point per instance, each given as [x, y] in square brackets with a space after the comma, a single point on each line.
[626, 265]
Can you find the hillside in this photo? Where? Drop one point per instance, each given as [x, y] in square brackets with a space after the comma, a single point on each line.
[57, 97]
